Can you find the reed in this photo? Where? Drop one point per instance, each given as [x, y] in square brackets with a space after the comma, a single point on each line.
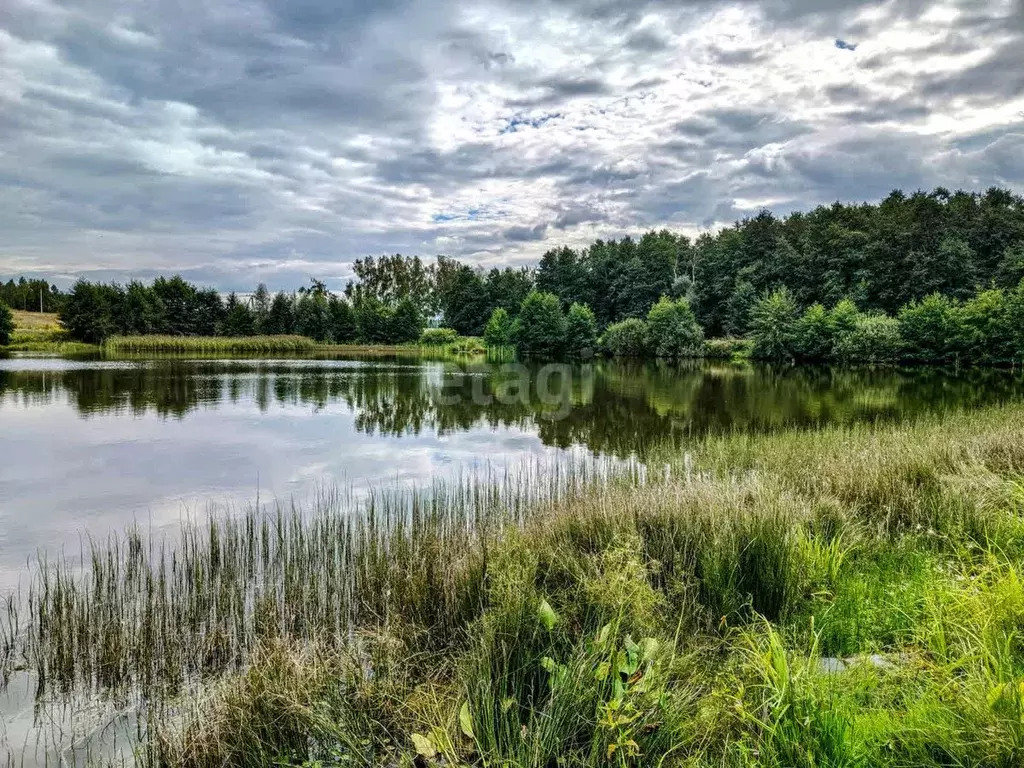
[209, 344]
[793, 599]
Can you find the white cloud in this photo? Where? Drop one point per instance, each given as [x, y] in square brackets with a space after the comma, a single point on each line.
[235, 142]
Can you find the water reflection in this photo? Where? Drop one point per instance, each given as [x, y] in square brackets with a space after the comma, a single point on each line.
[608, 407]
[88, 447]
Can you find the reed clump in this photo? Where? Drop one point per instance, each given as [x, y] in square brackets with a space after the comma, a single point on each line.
[851, 596]
[209, 344]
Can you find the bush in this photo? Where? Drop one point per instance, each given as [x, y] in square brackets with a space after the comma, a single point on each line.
[500, 328]
[438, 337]
[580, 331]
[983, 329]
[372, 321]
[929, 328]
[541, 325]
[773, 322]
[874, 339]
[6, 325]
[728, 348]
[626, 339]
[814, 335]
[1015, 322]
[672, 329]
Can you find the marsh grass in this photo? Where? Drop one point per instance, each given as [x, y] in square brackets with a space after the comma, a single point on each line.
[845, 597]
[209, 344]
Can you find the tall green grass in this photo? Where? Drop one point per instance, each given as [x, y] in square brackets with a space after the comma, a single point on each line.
[209, 344]
[852, 596]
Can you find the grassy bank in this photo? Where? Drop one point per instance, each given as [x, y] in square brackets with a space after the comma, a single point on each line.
[843, 597]
[41, 332]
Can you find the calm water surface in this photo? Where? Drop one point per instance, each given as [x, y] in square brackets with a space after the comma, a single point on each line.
[86, 447]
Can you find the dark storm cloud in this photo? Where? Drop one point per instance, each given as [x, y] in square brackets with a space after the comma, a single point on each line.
[238, 140]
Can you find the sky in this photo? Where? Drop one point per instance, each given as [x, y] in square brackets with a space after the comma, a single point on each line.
[240, 141]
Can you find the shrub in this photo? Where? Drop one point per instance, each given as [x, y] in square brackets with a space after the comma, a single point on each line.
[875, 339]
[983, 331]
[438, 337]
[672, 329]
[814, 335]
[580, 331]
[6, 325]
[929, 328]
[773, 325]
[728, 348]
[1015, 321]
[626, 339]
[499, 331]
[541, 325]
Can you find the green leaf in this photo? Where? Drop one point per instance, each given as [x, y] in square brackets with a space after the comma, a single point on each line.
[424, 746]
[546, 615]
[603, 670]
[466, 721]
[648, 648]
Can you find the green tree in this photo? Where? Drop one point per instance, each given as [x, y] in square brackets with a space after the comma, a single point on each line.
[6, 324]
[463, 299]
[281, 317]
[313, 316]
[344, 328]
[372, 320]
[929, 328]
[1011, 267]
[406, 323]
[178, 299]
[672, 329]
[87, 312]
[498, 331]
[261, 308]
[580, 331]
[773, 322]
[626, 338]
[209, 312]
[238, 318]
[140, 311]
[541, 326]
[506, 288]
[737, 309]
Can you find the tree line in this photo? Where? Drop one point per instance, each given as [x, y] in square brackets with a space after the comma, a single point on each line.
[880, 258]
[31, 295]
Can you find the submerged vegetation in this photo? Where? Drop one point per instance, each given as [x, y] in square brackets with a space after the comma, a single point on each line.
[847, 596]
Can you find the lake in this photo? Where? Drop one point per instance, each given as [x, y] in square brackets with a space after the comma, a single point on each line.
[89, 446]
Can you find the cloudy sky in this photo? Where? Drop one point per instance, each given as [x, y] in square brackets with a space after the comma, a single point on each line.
[235, 141]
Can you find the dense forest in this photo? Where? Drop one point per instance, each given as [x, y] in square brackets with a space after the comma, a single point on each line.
[942, 250]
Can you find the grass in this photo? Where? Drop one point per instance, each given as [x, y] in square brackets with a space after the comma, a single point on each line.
[850, 596]
[209, 344]
[41, 332]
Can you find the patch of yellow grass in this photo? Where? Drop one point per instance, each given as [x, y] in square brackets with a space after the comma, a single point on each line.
[34, 321]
